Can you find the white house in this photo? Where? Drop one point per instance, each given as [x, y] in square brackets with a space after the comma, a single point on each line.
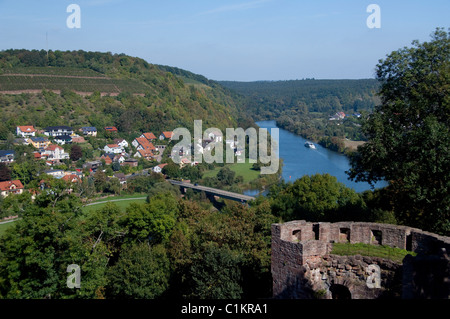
[89, 130]
[239, 151]
[7, 156]
[166, 136]
[56, 173]
[11, 187]
[113, 148]
[25, 131]
[216, 136]
[63, 139]
[121, 142]
[233, 144]
[158, 168]
[55, 152]
[58, 130]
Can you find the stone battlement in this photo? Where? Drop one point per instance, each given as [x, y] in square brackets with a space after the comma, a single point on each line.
[302, 264]
[404, 237]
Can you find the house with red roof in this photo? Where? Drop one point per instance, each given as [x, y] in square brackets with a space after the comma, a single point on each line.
[149, 136]
[72, 178]
[145, 154]
[25, 131]
[166, 136]
[11, 187]
[159, 168]
[141, 143]
[112, 129]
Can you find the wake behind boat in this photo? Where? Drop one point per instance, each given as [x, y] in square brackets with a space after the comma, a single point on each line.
[310, 145]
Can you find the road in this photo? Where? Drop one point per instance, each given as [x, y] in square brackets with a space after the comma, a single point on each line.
[115, 200]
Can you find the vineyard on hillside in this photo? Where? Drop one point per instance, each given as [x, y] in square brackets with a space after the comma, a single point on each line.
[80, 80]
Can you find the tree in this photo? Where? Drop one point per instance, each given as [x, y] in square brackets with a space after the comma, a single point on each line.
[35, 255]
[216, 275]
[142, 272]
[226, 175]
[408, 134]
[172, 170]
[319, 197]
[5, 172]
[153, 221]
[75, 152]
[115, 166]
[100, 180]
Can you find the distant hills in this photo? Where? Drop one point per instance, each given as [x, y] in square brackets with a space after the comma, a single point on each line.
[269, 99]
[135, 96]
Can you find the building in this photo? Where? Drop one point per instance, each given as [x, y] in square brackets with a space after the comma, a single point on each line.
[25, 131]
[111, 129]
[337, 116]
[141, 143]
[108, 158]
[145, 154]
[121, 177]
[113, 148]
[149, 136]
[92, 165]
[7, 156]
[63, 139]
[166, 136]
[131, 162]
[54, 131]
[158, 168]
[72, 178]
[11, 187]
[89, 130]
[56, 173]
[55, 153]
[39, 142]
[121, 142]
[216, 136]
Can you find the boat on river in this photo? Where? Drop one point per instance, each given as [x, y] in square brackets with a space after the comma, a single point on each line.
[310, 145]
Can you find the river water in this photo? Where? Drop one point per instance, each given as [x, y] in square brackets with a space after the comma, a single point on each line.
[299, 160]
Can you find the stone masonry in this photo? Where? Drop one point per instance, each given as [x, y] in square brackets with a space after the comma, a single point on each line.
[303, 268]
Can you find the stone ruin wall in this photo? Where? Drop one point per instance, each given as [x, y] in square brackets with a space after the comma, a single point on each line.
[303, 268]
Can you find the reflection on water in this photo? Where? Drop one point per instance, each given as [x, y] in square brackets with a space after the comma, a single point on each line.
[299, 160]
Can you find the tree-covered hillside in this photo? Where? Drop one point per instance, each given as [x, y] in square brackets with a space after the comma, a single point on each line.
[305, 107]
[118, 90]
[269, 99]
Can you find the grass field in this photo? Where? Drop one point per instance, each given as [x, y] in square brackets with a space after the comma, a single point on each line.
[387, 252]
[241, 169]
[4, 227]
[120, 201]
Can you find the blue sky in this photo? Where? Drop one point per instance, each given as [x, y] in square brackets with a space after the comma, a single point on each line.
[242, 40]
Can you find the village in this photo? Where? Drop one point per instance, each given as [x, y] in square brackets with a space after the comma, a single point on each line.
[54, 145]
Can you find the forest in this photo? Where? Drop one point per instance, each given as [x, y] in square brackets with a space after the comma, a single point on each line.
[304, 107]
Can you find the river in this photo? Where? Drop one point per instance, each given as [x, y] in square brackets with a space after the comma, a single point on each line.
[299, 160]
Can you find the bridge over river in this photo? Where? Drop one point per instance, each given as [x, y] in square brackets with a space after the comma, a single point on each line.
[214, 191]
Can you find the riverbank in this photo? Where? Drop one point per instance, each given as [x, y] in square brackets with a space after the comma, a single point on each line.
[299, 160]
[337, 144]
